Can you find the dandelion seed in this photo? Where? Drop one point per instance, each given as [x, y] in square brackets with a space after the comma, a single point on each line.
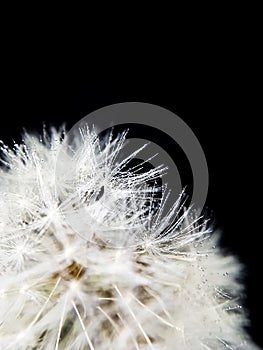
[88, 260]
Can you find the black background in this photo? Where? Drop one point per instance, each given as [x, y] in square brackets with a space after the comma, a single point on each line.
[212, 88]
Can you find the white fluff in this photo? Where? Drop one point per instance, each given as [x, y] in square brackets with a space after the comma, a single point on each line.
[88, 260]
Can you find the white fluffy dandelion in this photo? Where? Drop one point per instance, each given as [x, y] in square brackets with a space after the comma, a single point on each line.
[88, 259]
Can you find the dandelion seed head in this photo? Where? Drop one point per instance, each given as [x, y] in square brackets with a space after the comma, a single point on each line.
[90, 261]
